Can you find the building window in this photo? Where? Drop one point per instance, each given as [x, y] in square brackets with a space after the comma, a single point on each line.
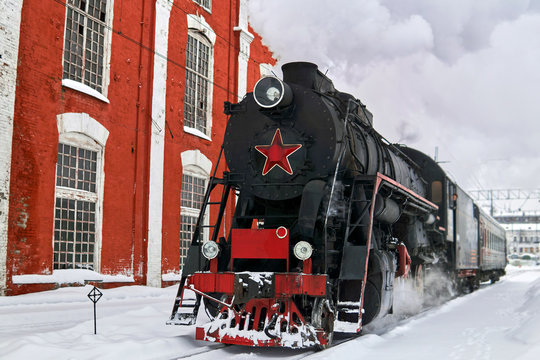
[207, 4]
[85, 42]
[75, 208]
[197, 85]
[78, 192]
[192, 191]
[192, 196]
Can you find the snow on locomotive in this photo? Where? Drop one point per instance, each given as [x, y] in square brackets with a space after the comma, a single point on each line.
[328, 214]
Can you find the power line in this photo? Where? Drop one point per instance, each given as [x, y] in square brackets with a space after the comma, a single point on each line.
[504, 194]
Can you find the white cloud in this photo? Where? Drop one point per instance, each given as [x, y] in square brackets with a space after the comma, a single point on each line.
[458, 74]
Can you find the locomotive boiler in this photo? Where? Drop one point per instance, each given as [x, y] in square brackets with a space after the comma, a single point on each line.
[327, 215]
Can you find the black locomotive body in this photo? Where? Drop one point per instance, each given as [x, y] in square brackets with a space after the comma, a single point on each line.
[328, 214]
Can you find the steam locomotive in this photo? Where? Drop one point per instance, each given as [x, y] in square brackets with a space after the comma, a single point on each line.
[328, 214]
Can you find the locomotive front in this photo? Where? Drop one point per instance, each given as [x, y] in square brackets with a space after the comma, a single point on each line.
[312, 238]
[284, 134]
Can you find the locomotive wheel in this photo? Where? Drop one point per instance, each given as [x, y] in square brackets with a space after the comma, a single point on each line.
[372, 303]
[322, 317]
[213, 308]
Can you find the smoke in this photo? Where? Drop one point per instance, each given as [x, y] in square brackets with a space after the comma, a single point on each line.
[408, 133]
[461, 75]
[411, 297]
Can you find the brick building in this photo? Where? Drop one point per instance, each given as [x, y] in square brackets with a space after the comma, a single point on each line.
[111, 119]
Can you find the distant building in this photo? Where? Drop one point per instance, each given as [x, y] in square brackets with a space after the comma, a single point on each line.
[523, 238]
[111, 119]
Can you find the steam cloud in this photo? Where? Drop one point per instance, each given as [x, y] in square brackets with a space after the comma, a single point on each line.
[462, 75]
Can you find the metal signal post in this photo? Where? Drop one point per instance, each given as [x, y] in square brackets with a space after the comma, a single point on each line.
[94, 295]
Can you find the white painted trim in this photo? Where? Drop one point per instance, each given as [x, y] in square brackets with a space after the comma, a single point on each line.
[245, 44]
[80, 129]
[198, 159]
[265, 70]
[108, 50]
[85, 89]
[157, 147]
[197, 22]
[10, 20]
[84, 124]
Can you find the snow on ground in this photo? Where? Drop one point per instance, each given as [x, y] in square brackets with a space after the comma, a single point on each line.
[500, 321]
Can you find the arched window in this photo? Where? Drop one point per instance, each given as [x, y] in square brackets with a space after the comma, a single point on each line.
[199, 77]
[78, 192]
[195, 175]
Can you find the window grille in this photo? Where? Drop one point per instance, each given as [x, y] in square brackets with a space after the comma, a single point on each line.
[187, 228]
[84, 48]
[74, 234]
[75, 208]
[76, 168]
[192, 197]
[204, 3]
[197, 84]
[192, 191]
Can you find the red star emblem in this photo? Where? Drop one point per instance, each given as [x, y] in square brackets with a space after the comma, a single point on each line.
[277, 154]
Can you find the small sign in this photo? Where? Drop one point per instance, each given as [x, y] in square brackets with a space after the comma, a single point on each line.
[94, 296]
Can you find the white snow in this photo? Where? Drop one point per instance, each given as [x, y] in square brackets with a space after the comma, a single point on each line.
[499, 321]
[196, 132]
[70, 276]
[170, 276]
[75, 85]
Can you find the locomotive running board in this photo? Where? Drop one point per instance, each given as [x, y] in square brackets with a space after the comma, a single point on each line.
[378, 182]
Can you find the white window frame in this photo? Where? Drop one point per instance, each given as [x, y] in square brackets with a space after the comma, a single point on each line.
[207, 8]
[199, 29]
[192, 212]
[197, 165]
[81, 130]
[81, 86]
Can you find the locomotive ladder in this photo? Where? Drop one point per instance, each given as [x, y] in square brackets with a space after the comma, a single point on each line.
[192, 306]
[369, 185]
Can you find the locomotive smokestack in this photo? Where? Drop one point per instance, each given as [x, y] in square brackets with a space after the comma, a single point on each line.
[300, 73]
[306, 74]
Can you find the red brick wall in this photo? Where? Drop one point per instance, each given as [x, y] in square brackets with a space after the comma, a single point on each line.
[40, 97]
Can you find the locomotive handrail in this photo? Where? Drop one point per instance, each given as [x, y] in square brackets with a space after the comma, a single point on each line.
[334, 178]
[408, 191]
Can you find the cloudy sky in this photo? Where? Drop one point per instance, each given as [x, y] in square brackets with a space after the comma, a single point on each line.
[460, 75]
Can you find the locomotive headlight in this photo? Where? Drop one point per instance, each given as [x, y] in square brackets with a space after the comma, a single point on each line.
[210, 250]
[303, 250]
[270, 92]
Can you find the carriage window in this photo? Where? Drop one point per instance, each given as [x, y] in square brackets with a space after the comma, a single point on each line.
[436, 191]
